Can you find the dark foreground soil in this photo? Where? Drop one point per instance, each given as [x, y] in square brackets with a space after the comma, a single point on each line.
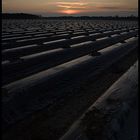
[130, 130]
[52, 123]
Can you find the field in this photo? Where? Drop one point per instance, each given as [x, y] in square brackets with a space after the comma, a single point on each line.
[54, 70]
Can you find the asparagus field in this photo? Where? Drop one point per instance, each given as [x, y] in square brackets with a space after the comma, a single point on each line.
[54, 70]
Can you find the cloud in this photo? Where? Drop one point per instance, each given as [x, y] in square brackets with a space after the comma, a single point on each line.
[69, 5]
[118, 8]
[109, 7]
[72, 3]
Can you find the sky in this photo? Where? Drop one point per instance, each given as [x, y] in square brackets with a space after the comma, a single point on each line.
[72, 7]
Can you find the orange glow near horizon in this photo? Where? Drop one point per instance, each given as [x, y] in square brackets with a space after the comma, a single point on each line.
[71, 7]
[69, 12]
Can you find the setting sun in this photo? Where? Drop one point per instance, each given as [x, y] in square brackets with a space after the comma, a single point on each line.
[69, 12]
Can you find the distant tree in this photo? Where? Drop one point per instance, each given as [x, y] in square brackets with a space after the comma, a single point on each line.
[132, 15]
[116, 16]
[20, 16]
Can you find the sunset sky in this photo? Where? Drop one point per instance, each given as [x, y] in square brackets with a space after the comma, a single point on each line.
[72, 7]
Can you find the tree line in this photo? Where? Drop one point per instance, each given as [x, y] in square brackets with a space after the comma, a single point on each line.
[32, 16]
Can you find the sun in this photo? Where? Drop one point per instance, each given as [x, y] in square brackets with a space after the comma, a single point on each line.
[69, 12]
